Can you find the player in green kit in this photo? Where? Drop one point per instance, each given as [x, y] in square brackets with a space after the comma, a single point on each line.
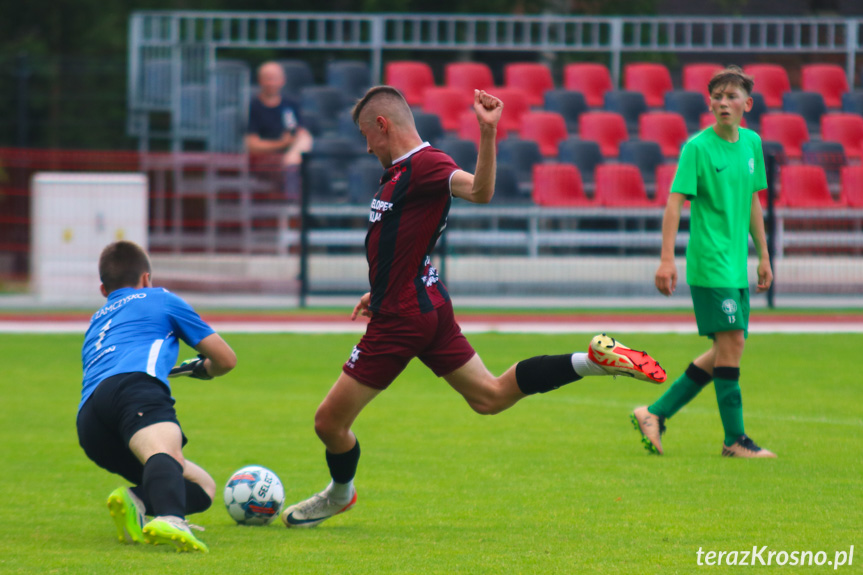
[721, 171]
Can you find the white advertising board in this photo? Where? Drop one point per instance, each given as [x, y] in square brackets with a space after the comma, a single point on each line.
[74, 216]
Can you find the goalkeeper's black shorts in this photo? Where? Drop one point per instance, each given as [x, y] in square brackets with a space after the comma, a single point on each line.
[119, 407]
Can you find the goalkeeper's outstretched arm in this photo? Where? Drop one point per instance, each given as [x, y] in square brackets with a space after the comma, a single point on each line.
[215, 358]
[222, 358]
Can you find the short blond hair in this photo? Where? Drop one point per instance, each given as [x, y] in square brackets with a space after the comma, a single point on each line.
[391, 98]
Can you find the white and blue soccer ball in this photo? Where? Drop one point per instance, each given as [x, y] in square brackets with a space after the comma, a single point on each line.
[254, 495]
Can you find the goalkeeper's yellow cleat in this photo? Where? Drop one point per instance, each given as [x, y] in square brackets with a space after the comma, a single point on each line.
[170, 530]
[127, 511]
[617, 359]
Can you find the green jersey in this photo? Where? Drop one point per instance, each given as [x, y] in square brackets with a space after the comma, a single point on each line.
[719, 178]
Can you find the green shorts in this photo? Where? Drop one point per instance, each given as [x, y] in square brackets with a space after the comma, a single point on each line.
[720, 309]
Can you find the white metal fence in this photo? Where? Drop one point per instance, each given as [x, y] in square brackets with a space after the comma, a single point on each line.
[174, 64]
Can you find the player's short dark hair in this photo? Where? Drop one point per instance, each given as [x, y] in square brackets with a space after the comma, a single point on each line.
[373, 93]
[121, 265]
[731, 76]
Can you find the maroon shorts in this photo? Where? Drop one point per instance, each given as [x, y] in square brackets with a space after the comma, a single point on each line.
[391, 341]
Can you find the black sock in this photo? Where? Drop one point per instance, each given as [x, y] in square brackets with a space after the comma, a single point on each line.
[732, 373]
[197, 499]
[343, 466]
[698, 375]
[544, 373]
[163, 483]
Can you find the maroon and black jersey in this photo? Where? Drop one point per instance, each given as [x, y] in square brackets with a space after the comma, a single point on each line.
[408, 215]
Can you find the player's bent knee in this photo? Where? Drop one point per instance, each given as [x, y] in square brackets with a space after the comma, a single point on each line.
[196, 474]
[176, 456]
[207, 484]
[327, 429]
[485, 406]
[491, 398]
[210, 491]
[732, 342]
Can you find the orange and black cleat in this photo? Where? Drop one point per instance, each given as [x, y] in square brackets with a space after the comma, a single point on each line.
[617, 359]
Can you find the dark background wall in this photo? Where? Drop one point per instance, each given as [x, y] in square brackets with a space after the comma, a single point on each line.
[63, 64]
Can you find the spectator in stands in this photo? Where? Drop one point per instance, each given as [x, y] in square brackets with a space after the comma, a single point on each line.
[275, 137]
[410, 309]
[126, 419]
[721, 171]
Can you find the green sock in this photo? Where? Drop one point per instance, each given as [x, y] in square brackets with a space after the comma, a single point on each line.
[727, 384]
[681, 392]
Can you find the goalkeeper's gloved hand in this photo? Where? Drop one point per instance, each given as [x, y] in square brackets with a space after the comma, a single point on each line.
[191, 368]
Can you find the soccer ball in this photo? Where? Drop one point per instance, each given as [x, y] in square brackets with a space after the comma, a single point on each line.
[254, 495]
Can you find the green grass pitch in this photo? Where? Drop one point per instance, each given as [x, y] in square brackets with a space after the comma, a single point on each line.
[557, 484]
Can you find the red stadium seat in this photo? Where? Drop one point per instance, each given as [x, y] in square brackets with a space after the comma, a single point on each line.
[847, 129]
[533, 78]
[608, 129]
[697, 76]
[620, 186]
[448, 103]
[547, 129]
[852, 186]
[664, 179]
[805, 187]
[468, 128]
[558, 185]
[652, 80]
[515, 105]
[592, 80]
[829, 80]
[410, 78]
[668, 129]
[771, 80]
[469, 76]
[787, 129]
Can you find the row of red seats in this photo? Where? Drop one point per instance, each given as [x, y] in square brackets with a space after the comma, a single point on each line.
[617, 185]
[452, 105]
[548, 129]
[621, 186]
[806, 187]
[668, 129]
[653, 80]
[791, 131]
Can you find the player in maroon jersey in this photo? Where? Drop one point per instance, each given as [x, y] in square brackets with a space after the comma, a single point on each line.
[410, 310]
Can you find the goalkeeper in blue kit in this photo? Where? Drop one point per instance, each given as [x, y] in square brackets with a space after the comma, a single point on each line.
[126, 419]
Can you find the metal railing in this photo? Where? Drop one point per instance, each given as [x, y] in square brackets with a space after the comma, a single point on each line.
[169, 51]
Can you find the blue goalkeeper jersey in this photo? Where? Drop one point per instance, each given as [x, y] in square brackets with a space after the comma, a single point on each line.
[138, 330]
